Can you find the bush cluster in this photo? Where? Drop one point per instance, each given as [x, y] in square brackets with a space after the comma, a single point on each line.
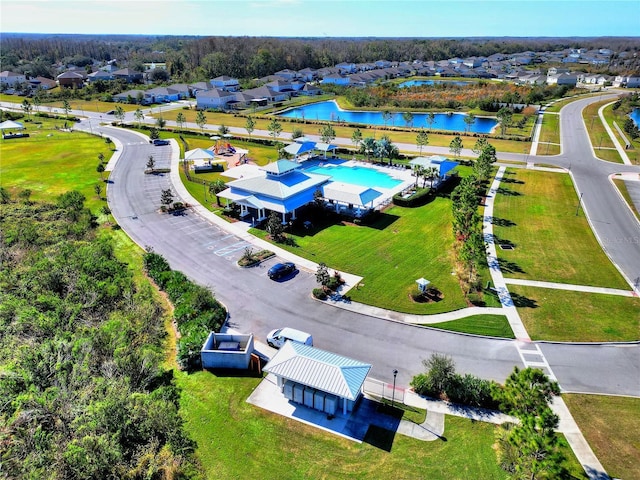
[441, 381]
[196, 313]
[419, 198]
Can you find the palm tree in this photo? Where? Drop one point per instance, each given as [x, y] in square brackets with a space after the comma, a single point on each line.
[431, 174]
[368, 147]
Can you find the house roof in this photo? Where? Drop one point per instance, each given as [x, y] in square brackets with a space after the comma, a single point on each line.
[325, 371]
[280, 167]
[279, 188]
[441, 163]
[349, 193]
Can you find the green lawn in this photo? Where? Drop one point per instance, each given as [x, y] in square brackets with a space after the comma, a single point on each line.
[51, 162]
[611, 425]
[567, 316]
[622, 188]
[238, 440]
[403, 245]
[487, 325]
[536, 212]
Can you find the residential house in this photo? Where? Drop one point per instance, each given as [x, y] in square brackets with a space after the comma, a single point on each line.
[214, 99]
[287, 74]
[337, 79]
[625, 81]
[182, 88]
[346, 67]
[71, 79]
[267, 94]
[163, 95]
[11, 79]
[42, 83]
[228, 84]
[309, 89]
[141, 97]
[307, 74]
[570, 79]
[128, 75]
[194, 88]
[99, 75]
[557, 70]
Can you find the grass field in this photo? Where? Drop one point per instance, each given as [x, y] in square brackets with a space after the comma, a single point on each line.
[403, 245]
[51, 162]
[622, 187]
[536, 212]
[238, 440]
[610, 425]
[567, 316]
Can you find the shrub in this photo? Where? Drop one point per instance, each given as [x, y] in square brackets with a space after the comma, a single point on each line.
[319, 293]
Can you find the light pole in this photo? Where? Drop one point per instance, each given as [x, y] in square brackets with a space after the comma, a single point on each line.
[393, 392]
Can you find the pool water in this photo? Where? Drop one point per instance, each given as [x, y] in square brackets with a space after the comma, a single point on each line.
[363, 176]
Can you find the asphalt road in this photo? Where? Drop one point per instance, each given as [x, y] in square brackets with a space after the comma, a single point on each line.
[208, 255]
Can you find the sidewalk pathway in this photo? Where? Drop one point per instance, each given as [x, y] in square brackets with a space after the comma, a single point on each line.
[567, 286]
[530, 353]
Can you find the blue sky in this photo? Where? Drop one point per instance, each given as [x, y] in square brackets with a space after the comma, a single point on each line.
[322, 18]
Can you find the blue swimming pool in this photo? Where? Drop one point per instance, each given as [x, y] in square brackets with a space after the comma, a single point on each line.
[363, 176]
[329, 111]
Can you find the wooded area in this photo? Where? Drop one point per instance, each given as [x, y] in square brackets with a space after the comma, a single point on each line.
[196, 58]
[84, 393]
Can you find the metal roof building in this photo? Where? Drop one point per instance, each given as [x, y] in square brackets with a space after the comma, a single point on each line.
[319, 373]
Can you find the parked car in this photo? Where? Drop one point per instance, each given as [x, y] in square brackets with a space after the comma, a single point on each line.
[277, 338]
[110, 112]
[280, 270]
[159, 141]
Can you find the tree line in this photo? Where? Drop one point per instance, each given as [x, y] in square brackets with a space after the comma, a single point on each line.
[197, 58]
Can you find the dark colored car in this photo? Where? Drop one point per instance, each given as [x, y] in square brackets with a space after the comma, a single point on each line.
[280, 270]
[159, 141]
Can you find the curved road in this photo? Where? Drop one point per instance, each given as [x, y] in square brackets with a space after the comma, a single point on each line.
[208, 254]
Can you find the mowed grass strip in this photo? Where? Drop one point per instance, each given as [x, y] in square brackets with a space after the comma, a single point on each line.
[536, 212]
[403, 245]
[238, 440]
[568, 316]
[486, 325]
[611, 426]
[51, 162]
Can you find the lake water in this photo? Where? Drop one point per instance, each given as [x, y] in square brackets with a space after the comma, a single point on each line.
[329, 111]
[419, 83]
[635, 116]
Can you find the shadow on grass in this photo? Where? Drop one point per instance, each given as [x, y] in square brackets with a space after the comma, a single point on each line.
[379, 437]
[502, 222]
[508, 193]
[509, 267]
[512, 180]
[233, 373]
[522, 301]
